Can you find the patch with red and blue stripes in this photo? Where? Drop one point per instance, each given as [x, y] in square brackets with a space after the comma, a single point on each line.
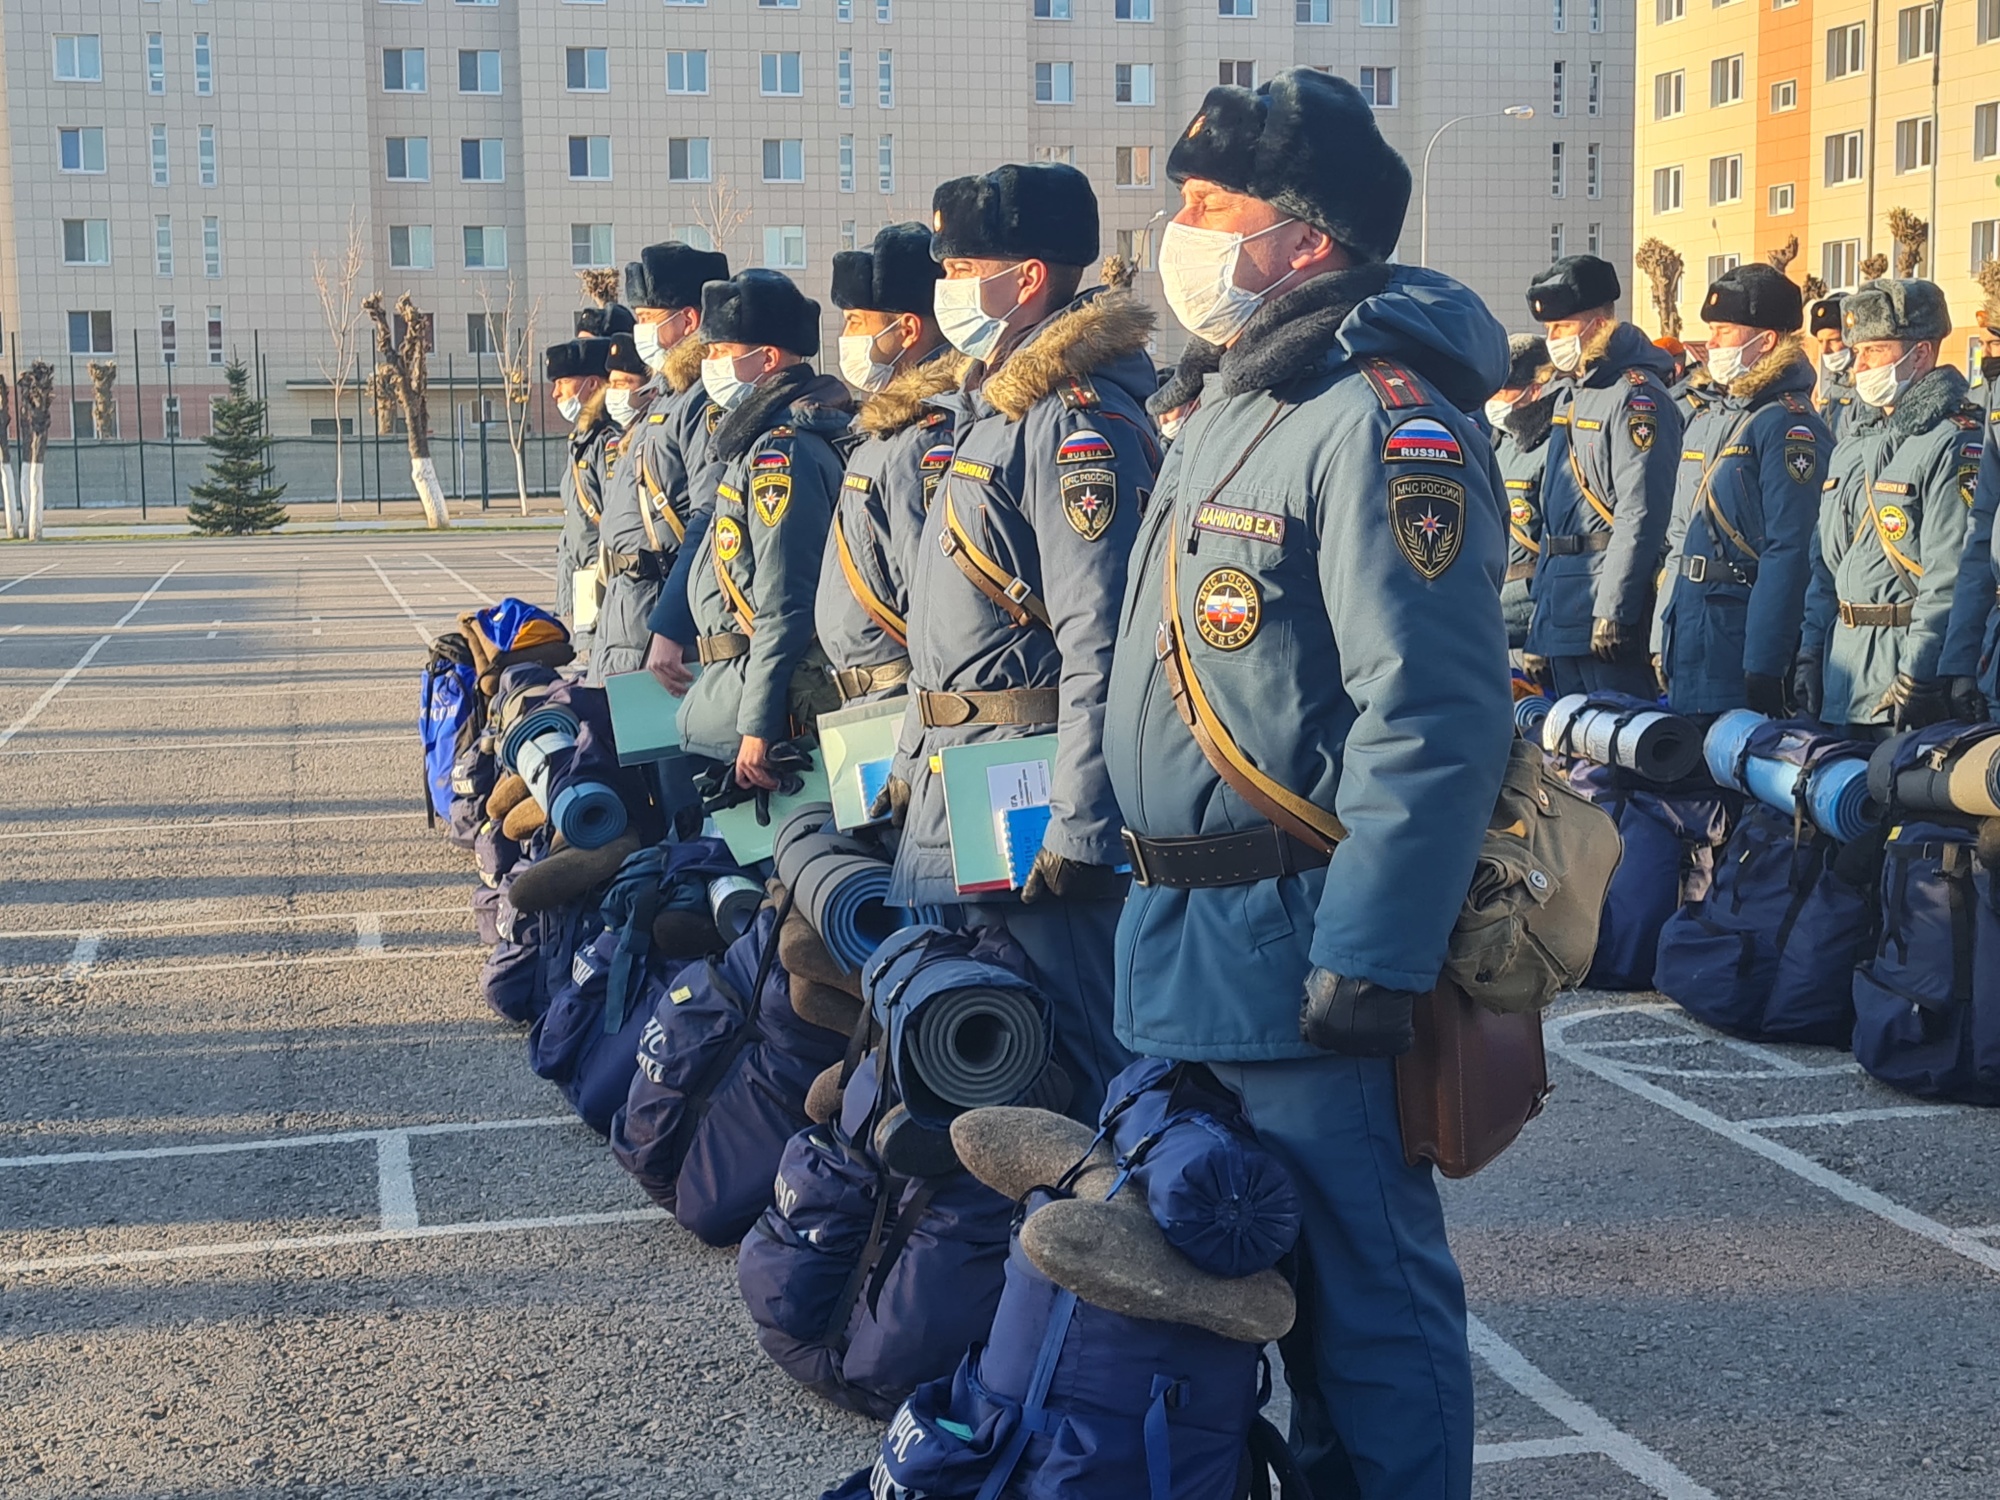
[1799, 434]
[938, 457]
[1085, 447]
[1422, 440]
[772, 458]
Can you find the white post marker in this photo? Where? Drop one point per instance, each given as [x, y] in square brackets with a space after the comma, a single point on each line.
[82, 956]
[368, 931]
[395, 1185]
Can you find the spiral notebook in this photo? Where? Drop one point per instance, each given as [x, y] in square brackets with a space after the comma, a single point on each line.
[996, 801]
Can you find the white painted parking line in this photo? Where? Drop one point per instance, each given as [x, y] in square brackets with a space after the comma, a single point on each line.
[82, 956]
[172, 826]
[163, 747]
[396, 1185]
[48, 697]
[1991, 1231]
[212, 634]
[547, 573]
[17, 582]
[477, 593]
[368, 932]
[284, 1142]
[1648, 1467]
[249, 923]
[402, 603]
[315, 961]
[1851, 1116]
[1527, 1448]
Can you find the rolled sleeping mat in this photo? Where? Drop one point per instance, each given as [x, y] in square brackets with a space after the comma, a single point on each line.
[1657, 746]
[970, 1044]
[814, 817]
[733, 901]
[550, 721]
[844, 894]
[589, 814]
[1837, 798]
[1529, 716]
[803, 954]
[565, 875]
[1966, 783]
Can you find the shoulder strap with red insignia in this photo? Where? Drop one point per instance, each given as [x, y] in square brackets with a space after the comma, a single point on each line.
[1794, 402]
[1078, 394]
[1394, 385]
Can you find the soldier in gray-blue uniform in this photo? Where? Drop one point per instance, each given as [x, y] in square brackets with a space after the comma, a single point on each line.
[1520, 414]
[576, 371]
[646, 515]
[777, 471]
[1018, 574]
[1834, 399]
[1609, 485]
[627, 396]
[1970, 663]
[1739, 546]
[891, 351]
[1893, 521]
[1311, 651]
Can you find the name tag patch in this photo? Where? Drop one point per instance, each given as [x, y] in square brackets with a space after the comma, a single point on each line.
[861, 484]
[982, 472]
[1230, 520]
[1422, 440]
[1894, 487]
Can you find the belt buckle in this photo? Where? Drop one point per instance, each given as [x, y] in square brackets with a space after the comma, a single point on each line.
[1697, 569]
[1847, 614]
[1163, 640]
[1018, 591]
[1135, 855]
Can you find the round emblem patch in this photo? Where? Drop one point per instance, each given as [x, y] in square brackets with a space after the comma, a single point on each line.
[1520, 512]
[1895, 523]
[728, 538]
[1227, 609]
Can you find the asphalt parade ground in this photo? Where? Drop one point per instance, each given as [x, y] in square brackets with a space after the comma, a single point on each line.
[283, 1211]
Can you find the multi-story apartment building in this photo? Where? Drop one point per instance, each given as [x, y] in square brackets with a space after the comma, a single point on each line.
[1760, 120]
[172, 166]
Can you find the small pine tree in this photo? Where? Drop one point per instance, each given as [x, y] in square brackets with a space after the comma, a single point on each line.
[239, 499]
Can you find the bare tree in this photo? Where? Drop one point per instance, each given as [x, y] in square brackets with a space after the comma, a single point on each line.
[1662, 265]
[7, 456]
[600, 284]
[103, 398]
[721, 213]
[36, 393]
[338, 283]
[514, 351]
[1988, 278]
[1781, 258]
[1911, 234]
[1875, 266]
[1117, 272]
[402, 382]
[1814, 288]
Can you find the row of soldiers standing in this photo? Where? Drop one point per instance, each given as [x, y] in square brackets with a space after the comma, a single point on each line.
[1757, 533]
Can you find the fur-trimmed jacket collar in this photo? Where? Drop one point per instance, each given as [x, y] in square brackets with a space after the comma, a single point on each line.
[684, 363]
[798, 395]
[902, 402]
[1929, 400]
[1088, 336]
[1785, 368]
[1529, 422]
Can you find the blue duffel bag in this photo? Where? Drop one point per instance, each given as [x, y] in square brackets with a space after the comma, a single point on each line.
[1770, 954]
[584, 1045]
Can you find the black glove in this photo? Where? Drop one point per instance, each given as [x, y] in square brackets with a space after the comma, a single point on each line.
[1968, 704]
[1536, 669]
[1607, 639]
[788, 763]
[1912, 704]
[1071, 880]
[1809, 686]
[719, 790]
[652, 567]
[1765, 695]
[892, 802]
[1356, 1017]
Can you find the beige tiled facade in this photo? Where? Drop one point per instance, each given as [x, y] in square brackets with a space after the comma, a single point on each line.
[302, 123]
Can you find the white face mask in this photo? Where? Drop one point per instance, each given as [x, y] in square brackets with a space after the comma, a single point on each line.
[646, 344]
[1170, 425]
[1198, 274]
[1566, 353]
[571, 407]
[858, 364]
[1497, 412]
[962, 315]
[618, 406]
[1881, 385]
[1837, 361]
[718, 378]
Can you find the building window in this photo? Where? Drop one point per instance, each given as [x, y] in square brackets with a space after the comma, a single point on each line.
[1064, 154]
[784, 161]
[1559, 15]
[1596, 24]
[1783, 198]
[215, 335]
[156, 63]
[687, 158]
[885, 163]
[90, 332]
[1725, 179]
[849, 238]
[1593, 240]
[1669, 94]
[1988, 29]
[1844, 158]
[328, 426]
[1556, 251]
[785, 247]
[1132, 83]
[160, 173]
[1132, 10]
[843, 10]
[81, 148]
[1667, 11]
[1378, 12]
[1134, 166]
[1784, 96]
[1557, 173]
[1312, 12]
[403, 70]
[479, 72]
[590, 245]
[170, 416]
[211, 247]
[1985, 243]
[1596, 101]
[204, 65]
[1666, 190]
[587, 70]
[1914, 143]
[409, 158]
[482, 160]
[163, 244]
[1055, 83]
[1986, 132]
[1242, 74]
[86, 242]
[778, 73]
[778, 4]
[169, 336]
[79, 59]
[1558, 77]
[590, 158]
[694, 236]
[687, 72]
[1719, 265]
[1840, 264]
[1051, 10]
[1135, 247]
[885, 79]
[1846, 50]
[1242, 8]
[1378, 87]
[843, 78]
[1593, 170]
[1916, 32]
[485, 247]
[883, 12]
[846, 163]
[204, 155]
[1725, 81]
[412, 247]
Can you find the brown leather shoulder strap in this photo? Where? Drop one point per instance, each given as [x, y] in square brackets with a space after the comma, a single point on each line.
[872, 604]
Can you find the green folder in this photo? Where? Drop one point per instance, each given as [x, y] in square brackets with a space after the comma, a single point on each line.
[856, 744]
[645, 717]
[749, 840]
[996, 797]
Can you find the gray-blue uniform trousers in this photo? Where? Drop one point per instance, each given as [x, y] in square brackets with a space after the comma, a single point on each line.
[1837, 404]
[1974, 632]
[1618, 430]
[1892, 525]
[645, 516]
[1342, 614]
[1055, 457]
[1733, 599]
[1522, 448]
[751, 588]
[863, 606]
[588, 464]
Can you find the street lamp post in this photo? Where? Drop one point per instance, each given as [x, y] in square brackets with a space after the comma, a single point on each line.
[1511, 112]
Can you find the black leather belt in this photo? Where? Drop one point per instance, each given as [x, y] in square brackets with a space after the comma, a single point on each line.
[724, 645]
[857, 682]
[1221, 859]
[1571, 546]
[1874, 616]
[1698, 567]
[1011, 706]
